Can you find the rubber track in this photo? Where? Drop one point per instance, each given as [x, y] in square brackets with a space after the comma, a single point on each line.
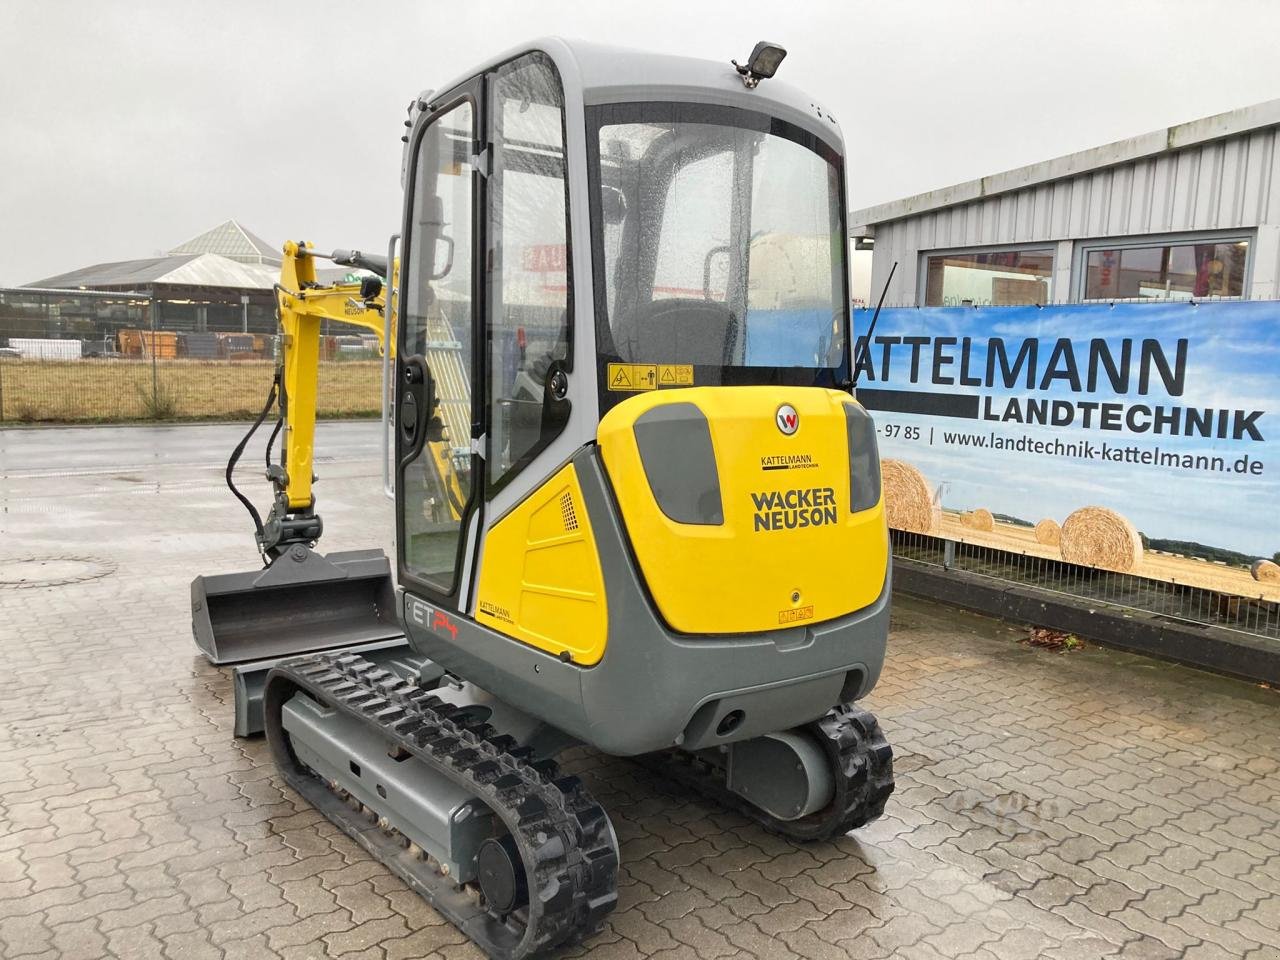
[561, 831]
[858, 753]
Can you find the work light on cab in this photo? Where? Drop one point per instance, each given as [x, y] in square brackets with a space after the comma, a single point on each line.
[762, 64]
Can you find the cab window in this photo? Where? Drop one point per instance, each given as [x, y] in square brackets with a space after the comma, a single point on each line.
[530, 289]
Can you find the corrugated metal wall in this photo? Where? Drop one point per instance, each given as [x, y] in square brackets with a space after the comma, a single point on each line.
[1220, 185]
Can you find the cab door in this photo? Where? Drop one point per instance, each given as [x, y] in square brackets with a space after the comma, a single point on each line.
[438, 369]
[530, 278]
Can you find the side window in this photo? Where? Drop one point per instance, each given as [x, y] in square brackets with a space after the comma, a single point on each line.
[436, 485]
[529, 297]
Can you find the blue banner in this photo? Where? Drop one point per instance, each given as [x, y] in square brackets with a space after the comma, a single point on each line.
[1161, 413]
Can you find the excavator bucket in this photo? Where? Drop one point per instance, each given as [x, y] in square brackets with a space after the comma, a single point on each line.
[301, 603]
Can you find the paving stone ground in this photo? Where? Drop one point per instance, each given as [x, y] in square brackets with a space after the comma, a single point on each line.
[1085, 805]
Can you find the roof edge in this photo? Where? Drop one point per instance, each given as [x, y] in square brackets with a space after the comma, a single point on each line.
[1168, 140]
[76, 291]
[51, 282]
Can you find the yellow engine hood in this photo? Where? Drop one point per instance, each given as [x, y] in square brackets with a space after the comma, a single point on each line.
[782, 546]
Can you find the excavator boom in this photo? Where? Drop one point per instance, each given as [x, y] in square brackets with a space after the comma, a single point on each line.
[301, 601]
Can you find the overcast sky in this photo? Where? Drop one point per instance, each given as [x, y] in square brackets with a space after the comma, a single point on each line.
[126, 128]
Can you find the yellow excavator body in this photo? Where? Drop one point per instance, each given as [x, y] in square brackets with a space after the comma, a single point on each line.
[638, 506]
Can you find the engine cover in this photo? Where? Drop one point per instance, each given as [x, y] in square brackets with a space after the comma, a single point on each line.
[749, 508]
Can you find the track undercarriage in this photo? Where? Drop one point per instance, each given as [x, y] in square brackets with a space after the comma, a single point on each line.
[481, 823]
[541, 860]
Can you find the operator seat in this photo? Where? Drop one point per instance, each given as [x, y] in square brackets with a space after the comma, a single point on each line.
[700, 332]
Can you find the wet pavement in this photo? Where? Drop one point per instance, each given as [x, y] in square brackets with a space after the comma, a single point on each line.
[1092, 804]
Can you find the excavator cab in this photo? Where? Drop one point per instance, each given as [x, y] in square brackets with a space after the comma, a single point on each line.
[624, 379]
[637, 505]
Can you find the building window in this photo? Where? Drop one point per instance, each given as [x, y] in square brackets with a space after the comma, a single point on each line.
[1166, 271]
[989, 278]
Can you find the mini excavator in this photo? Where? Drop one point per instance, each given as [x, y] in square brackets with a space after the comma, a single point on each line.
[638, 507]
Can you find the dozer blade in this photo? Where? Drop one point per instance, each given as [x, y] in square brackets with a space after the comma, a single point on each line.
[301, 603]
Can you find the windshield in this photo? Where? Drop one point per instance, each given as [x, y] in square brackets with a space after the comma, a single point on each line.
[721, 244]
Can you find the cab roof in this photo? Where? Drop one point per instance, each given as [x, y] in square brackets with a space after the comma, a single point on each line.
[600, 73]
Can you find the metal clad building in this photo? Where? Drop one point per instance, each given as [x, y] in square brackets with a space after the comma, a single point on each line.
[1188, 211]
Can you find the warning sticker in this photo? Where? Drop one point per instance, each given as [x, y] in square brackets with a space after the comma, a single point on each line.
[796, 614]
[633, 376]
[675, 375]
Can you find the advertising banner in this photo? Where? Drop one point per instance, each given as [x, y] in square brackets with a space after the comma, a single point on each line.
[1137, 437]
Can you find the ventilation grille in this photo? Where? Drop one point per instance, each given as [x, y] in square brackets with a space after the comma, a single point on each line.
[567, 512]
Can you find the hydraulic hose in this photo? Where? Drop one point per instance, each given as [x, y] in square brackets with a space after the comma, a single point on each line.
[239, 451]
[271, 440]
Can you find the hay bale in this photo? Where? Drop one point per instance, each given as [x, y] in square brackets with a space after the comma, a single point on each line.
[1098, 537]
[908, 503]
[979, 519]
[1264, 571]
[1048, 532]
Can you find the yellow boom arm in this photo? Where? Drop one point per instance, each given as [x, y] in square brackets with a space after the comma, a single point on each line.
[302, 305]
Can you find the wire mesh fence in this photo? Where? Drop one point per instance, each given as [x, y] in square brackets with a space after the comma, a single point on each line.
[103, 357]
[1198, 605]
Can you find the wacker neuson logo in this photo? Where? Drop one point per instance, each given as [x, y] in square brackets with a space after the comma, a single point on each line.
[793, 509]
[787, 419]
